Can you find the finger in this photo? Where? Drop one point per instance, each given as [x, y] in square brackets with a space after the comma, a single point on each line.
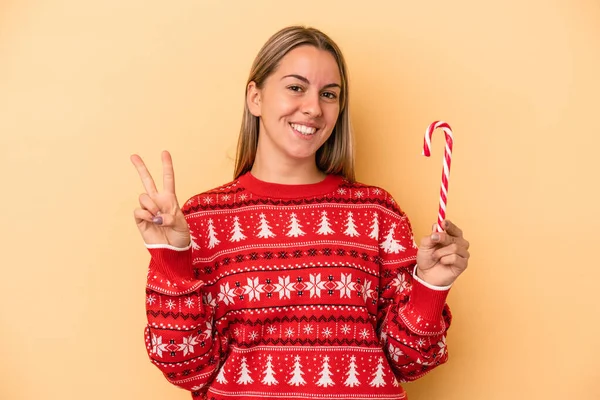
[147, 203]
[437, 239]
[164, 220]
[454, 260]
[168, 173]
[449, 250]
[427, 242]
[445, 239]
[452, 229]
[142, 215]
[145, 176]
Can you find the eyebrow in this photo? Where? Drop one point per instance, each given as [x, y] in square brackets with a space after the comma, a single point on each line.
[303, 79]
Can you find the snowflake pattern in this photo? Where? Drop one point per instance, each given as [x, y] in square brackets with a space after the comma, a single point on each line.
[346, 329]
[288, 287]
[170, 304]
[158, 346]
[395, 352]
[442, 345]
[308, 329]
[327, 332]
[188, 345]
[226, 294]
[189, 302]
[271, 329]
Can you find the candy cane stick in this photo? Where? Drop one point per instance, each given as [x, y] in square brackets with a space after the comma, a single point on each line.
[447, 159]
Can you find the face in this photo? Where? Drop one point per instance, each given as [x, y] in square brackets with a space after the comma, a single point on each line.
[298, 104]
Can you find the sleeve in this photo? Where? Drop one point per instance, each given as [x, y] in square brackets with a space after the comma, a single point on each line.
[413, 316]
[180, 339]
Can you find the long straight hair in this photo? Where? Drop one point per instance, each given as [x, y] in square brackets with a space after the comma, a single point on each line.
[336, 155]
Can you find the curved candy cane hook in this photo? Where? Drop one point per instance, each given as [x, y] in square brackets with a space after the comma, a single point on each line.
[447, 160]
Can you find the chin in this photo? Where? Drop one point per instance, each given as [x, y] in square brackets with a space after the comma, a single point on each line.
[301, 156]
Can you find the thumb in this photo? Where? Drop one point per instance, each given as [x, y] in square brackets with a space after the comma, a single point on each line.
[432, 240]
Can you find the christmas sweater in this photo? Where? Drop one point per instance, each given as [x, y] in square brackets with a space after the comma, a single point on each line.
[293, 292]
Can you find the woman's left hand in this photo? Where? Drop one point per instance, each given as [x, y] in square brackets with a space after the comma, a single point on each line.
[443, 256]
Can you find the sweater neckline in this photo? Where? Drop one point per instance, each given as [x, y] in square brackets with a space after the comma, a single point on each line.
[289, 191]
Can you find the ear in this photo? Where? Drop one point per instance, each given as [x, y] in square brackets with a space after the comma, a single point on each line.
[253, 99]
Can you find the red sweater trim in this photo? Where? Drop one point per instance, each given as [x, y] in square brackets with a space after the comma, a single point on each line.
[279, 190]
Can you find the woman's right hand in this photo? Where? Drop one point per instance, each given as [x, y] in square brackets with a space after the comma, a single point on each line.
[159, 218]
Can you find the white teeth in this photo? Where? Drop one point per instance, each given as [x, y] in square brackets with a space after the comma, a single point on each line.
[305, 130]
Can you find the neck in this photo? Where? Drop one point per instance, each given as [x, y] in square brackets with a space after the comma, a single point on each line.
[292, 172]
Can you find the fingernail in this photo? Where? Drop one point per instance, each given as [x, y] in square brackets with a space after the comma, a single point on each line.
[158, 220]
[445, 224]
[435, 237]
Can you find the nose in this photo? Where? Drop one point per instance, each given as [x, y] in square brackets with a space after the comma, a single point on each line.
[312, 105]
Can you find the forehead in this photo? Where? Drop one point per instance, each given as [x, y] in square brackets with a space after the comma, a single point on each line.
[318, 66]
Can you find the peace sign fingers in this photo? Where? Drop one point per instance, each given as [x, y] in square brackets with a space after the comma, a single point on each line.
[168, 173]
[148, 181]
[145, 176]
[160, 220]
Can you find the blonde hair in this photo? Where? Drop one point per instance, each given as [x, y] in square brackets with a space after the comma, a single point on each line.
[336, 155]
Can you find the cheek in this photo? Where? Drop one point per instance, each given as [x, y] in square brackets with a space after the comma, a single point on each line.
[281, 106]
[331, 115]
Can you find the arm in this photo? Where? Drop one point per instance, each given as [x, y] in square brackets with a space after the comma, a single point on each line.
[180, 339]
[415, 319]
[413, 315]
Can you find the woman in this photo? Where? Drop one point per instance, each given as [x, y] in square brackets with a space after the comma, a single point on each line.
[293, 280]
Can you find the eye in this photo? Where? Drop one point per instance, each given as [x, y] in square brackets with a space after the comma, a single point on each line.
[330, 95]
[295, 88]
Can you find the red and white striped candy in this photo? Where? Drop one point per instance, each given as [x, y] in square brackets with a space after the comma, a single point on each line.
[447, 160]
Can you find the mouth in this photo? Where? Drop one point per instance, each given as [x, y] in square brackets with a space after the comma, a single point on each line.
[304, 129]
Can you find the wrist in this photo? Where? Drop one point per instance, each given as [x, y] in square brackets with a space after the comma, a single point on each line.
[431, 282]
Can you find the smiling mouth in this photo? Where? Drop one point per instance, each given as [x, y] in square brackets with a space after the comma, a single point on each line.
[303, 129]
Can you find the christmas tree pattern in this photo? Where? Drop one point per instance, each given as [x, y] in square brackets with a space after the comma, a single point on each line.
[265, 230]
[212, 235]
[325, 373]
[236, 232]
[294, 226]
[195, 245]
[352, 373]
[351, 226]
[269, 378]
[244, 377]
[324, 225]
[221, 376]
[297, 379]
[378, 375]
[375, 227]
[391, 245]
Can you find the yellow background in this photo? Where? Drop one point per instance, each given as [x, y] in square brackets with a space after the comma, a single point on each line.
[85, 84]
